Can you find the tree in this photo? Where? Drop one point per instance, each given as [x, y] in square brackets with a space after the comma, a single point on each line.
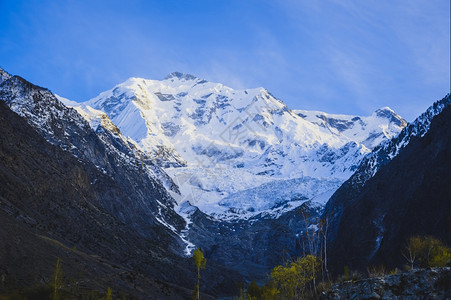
[411, 250]
[323, 229]
[254, 290]
[200, 263]
[441, 257]
[314, 240]
[109, 294]
[284, 278]
[57, 281]
[426, 251]
[292, 278]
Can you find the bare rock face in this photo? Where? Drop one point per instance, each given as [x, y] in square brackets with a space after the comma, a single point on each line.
[416, 284]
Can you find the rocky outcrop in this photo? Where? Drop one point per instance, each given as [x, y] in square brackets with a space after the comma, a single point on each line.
[417, 284]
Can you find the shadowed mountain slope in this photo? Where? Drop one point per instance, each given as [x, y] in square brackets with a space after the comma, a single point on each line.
[408, 195]
[49, 208]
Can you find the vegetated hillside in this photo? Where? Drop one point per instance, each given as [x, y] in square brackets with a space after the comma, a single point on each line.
[410, 195]
[49, 208]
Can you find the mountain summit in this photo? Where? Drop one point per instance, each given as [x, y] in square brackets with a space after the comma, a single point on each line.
[179, 75]
[223, 146]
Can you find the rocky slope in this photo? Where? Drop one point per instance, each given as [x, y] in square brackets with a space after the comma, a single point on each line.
[253, 246]
[50, 207]
[90, 190]
[144, 203]
[400, 190]
[417, 284]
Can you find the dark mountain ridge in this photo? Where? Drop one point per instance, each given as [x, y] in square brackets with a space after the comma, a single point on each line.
[402, 189]
[65, 128]
[50, 208]
[88, 191]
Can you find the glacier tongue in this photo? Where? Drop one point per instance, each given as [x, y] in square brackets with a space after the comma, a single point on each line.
[231, 151]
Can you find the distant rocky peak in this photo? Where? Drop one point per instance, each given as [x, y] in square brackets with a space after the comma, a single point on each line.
[264, 97]
[4, 75]
[21, 93]
[420, 126]
[388, 149]
[181, 76]
[388, 113]
[385, 109]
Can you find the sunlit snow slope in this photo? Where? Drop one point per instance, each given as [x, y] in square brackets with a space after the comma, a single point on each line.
[238, 153]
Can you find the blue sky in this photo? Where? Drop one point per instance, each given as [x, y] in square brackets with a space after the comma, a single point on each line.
[336, 56]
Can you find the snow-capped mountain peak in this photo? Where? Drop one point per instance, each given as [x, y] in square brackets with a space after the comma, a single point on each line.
[217, 142]
[388, 113]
